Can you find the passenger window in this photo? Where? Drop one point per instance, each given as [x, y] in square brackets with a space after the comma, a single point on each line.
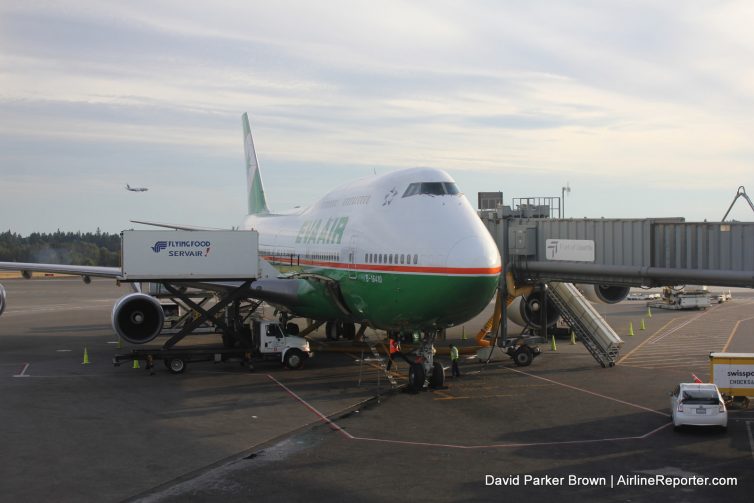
[416, 259]
[390, 259]
[402, 258]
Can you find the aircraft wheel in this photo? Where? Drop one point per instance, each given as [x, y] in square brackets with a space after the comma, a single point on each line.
[175, 365]
[438, 375]
[523, 356]
[416, 377]
[294, 359]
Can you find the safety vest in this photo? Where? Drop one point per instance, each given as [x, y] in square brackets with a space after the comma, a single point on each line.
[454, 353]
[393, 346]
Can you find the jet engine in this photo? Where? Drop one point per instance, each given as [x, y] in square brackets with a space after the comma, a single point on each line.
[604, 294]
[137, 318]
[529, 310]
[2, 299]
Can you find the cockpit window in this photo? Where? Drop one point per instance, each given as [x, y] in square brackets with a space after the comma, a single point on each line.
[451, 188]
[431, 188]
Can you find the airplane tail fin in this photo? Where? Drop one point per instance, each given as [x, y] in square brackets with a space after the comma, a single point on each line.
[257, 201]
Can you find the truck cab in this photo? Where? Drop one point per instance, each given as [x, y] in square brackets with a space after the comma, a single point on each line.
[270, 340]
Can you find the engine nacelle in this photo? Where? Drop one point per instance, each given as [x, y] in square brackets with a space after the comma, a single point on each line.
[2, 299]
[529, 310]
[137, 318]
[604, 294]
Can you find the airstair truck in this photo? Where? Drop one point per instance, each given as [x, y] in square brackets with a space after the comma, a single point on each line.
[733, 373]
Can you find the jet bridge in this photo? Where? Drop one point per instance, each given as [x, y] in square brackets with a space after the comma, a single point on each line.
[642, 252]
[619, 252]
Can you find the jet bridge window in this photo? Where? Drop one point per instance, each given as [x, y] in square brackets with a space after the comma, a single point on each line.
[432, 189]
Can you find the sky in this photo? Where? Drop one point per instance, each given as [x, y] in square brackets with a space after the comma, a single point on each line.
[644, 108]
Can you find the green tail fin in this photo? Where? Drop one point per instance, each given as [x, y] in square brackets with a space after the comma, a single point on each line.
[257, 201]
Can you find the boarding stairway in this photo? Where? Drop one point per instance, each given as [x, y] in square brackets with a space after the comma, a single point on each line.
[593, 331]
[380, 361]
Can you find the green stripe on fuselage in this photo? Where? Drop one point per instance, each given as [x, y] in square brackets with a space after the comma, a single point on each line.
[400, 301]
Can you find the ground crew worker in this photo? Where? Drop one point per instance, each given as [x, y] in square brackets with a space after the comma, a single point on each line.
[395, 352]
[394, 347]
[454, 360]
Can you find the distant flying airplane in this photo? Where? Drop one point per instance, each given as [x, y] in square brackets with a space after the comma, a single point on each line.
[136, 189]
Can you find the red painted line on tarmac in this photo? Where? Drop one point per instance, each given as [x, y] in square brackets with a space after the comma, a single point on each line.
[508, 446]
[349, 436]
[324, 418]
[587, 391]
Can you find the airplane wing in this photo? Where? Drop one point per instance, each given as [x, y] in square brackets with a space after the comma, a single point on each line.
[81, 270]
[178, 227]
[283, 292]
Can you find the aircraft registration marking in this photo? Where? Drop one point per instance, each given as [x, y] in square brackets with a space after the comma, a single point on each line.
[373, 278]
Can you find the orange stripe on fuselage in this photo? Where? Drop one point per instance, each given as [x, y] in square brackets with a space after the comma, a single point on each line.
[389, 268]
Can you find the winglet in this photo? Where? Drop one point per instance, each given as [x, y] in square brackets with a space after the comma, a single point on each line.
[257, 201]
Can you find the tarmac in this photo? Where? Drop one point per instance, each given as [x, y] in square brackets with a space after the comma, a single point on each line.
[563, 427]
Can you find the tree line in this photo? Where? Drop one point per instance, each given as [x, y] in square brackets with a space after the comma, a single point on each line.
[70, 248]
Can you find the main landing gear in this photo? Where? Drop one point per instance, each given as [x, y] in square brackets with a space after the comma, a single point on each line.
[426, 372]
[335, 330]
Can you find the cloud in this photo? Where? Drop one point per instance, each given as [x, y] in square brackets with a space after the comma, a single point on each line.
[486, 90]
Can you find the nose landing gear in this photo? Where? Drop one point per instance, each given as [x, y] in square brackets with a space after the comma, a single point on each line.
[426, 372]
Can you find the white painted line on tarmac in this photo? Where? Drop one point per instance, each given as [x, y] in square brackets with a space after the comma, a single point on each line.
[63, 350]
[674, 330]
[23, 371]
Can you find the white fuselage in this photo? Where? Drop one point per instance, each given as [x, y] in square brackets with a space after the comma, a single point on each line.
[371, 228]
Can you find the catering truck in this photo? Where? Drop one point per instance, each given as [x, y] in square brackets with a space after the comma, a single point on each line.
[209, 274]
[733, 373]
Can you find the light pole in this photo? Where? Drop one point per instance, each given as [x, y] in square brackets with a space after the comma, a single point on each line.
[563, 191]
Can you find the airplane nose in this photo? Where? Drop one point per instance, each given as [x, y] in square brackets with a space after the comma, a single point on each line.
[473, 252]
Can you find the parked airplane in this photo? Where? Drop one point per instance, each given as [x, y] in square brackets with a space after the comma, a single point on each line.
[136, 189]
[404, 251]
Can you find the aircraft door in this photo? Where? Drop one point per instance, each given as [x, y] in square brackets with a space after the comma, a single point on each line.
[351, 252]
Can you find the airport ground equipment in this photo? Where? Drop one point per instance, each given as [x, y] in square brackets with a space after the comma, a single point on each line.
[177, 260]
[733, 373]
[608, 256]
[592, 329]
[625, 253]
[693, 297]
[380, 360]
[262, 340]
[175, 263]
